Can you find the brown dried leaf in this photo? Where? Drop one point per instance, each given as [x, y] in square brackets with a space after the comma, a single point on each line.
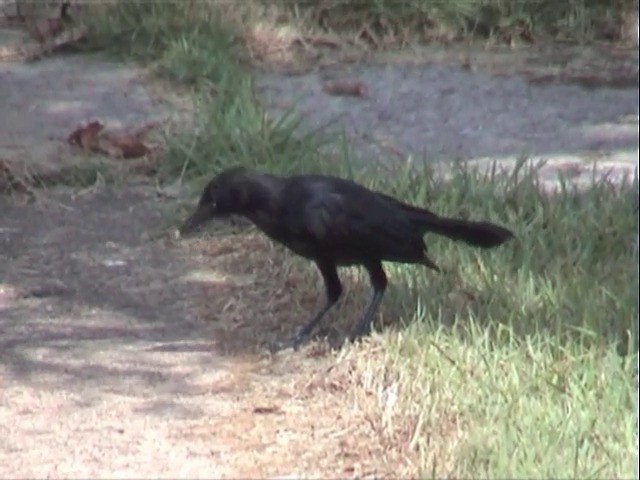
[267, 410]
[123, 146]
[127, 144]
[351, 89]
[87, 137]
[45, 289]
[92, 138]
[324, 41]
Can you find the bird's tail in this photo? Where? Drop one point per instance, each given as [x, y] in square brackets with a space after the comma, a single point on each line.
[478, 234]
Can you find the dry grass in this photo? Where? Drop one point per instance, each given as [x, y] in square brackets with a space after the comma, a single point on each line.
[310, 413]
[305, 416]
[244, 293]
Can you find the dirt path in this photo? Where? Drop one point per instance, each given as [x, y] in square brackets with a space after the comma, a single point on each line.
[94, 372]
[110, 364]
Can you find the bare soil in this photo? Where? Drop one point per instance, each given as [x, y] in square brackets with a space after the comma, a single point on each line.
[125, 353]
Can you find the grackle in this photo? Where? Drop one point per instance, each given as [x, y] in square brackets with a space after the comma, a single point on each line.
[335, 223]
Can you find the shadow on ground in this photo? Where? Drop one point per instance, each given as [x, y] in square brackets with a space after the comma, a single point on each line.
[99, 303]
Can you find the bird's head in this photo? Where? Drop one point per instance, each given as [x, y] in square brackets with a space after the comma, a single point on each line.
[227, 193]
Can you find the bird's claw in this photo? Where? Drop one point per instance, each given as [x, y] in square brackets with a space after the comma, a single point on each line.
[336, 339]
[294, 342]
[278, 345]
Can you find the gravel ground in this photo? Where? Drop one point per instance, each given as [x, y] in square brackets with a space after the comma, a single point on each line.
[443, 112]
[448, 113]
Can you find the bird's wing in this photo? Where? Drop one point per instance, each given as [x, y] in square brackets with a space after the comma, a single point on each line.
[325, 216]
[338, 219]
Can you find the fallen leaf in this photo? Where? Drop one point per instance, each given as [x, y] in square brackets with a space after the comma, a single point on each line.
[52, 288]
[323, 41]
[93, 137]
[87, 137]
[267, 410]
[123, 145]
[351, 89]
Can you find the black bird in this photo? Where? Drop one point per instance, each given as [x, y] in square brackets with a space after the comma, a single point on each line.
[335, 222]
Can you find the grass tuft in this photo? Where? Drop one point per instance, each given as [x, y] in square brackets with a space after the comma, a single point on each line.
[189, 42]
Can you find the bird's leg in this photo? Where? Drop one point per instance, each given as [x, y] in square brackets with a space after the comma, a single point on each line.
[333, 292]
[379, 283]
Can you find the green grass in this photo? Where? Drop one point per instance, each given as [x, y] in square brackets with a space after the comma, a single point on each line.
[528, 361]
[406, 20]
[512, 363]
[517, 409]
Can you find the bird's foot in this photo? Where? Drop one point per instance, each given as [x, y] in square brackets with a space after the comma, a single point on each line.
[279, 345]
[336, 339]
[362, 329]
[295, 342]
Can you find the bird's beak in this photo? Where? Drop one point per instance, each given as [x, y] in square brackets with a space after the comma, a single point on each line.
[203, 214]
